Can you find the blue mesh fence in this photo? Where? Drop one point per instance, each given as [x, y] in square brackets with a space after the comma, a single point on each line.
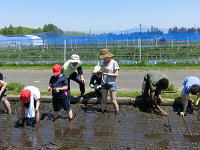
[126, 48]
[98, 39]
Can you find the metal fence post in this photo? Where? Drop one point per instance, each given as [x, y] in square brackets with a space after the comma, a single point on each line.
[106, 43]
[64, 50]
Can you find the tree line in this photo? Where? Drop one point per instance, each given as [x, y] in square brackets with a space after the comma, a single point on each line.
[53, 30]
[48, 29]
[184, 30]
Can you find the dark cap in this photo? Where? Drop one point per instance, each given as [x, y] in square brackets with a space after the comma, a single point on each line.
[163, 83]
[194, 89]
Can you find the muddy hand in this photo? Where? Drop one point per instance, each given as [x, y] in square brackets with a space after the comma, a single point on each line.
[163, 113]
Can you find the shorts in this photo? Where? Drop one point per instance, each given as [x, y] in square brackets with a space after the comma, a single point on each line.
[3, 96]
[111, 87]
[61, 101]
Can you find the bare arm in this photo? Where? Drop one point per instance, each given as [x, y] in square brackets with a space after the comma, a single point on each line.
[156, 105]
[3, 86]
[80, 72]
[37, 112]
[21, 105]
[160, 98]
[198, 101]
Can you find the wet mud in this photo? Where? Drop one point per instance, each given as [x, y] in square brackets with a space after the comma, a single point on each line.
[90, 129]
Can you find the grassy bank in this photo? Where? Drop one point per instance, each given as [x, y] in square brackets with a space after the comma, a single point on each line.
[123, 67]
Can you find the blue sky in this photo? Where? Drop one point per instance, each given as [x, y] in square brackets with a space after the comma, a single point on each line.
[100, 15]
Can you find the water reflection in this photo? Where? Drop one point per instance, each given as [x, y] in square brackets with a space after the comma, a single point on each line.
[192, 138]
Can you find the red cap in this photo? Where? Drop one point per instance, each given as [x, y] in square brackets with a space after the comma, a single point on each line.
[25, 96]
[56, 69]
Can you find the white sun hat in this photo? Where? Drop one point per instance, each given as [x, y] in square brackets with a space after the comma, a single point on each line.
[97, 69]
[75, 58]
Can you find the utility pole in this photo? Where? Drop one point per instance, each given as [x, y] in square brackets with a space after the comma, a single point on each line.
[140, 43]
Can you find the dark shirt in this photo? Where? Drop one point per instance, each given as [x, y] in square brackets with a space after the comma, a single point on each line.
[58, 82]
[153, 78]
[95, 78]
[80, 71]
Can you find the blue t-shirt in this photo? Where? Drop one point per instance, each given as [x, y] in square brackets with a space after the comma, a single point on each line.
[58, 82]
[188, 82]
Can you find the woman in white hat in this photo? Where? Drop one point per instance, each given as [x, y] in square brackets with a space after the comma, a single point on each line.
[110, 69]
[69, 70]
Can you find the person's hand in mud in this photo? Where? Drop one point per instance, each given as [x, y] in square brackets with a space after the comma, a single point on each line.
[161, 110]
[157, 105]
[163, 113]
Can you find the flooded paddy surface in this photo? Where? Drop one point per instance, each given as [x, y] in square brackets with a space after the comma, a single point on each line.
[91, 130]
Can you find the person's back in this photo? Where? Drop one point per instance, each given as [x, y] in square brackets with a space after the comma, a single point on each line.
[155, 82]
[188, 82]
[191, 84]
[154, 78]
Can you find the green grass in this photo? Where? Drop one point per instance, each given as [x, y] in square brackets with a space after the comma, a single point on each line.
[123, 67]
[15, 86]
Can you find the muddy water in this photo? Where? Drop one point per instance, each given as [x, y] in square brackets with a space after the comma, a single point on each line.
[90, 129]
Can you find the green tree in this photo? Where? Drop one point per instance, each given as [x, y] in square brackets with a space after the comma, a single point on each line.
[74, 33]
[182, 30]
[173, 30]
[198, 30]
[49, 27]
[19, 30]
[191, 30]
[11, 30]
[38, 30]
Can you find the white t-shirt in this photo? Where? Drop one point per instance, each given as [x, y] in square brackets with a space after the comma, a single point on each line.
[35, 95]
[113, 66]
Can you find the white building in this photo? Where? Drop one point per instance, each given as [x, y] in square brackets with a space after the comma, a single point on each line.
[24, 40]
[35, 40]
